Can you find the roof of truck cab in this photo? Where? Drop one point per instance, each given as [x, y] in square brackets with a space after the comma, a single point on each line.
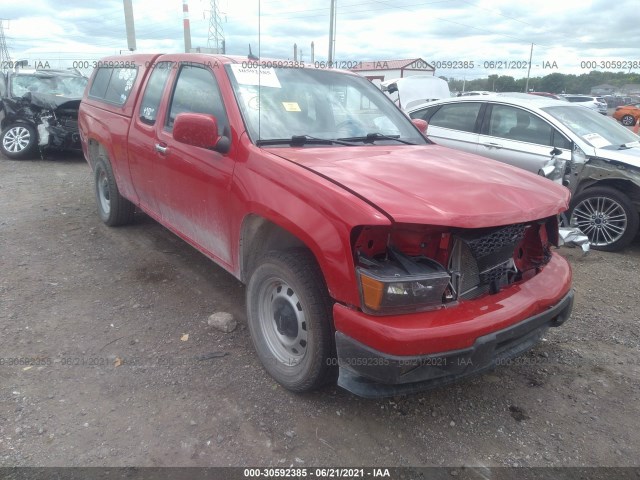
[204, 58]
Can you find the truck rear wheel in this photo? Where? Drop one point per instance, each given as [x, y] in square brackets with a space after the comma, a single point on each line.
[113, 208]
[289, 316]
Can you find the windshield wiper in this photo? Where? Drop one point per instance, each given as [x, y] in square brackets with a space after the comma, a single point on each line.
[299, 140]
[372, 137]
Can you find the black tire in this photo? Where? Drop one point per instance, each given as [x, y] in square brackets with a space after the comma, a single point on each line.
[19, 140]
[606, 216]
[296, 348]
[628, 120]
[113, 208]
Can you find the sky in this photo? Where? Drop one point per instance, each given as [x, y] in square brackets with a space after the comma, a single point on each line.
[493, 34]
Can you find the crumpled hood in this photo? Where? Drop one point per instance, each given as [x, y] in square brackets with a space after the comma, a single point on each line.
[630, 156]
[43, 101]
[430, 184]
[54, 102]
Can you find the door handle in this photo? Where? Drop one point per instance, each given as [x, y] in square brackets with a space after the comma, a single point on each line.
[160, 148]
[492, 145]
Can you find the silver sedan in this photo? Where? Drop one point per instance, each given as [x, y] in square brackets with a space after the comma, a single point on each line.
[595, 157]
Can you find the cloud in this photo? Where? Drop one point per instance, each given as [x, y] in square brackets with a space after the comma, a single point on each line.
[437, 30]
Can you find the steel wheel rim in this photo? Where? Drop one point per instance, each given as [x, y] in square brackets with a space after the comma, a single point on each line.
[602, 219]
[282, 321]
[103, 192]
[16, 139]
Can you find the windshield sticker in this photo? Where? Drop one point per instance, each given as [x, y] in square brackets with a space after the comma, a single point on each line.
[291, 106]
[265, 77]
[596, 140]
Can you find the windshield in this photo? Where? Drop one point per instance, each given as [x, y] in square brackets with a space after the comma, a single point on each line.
[592, 127]
[61, 85]
[279, 103]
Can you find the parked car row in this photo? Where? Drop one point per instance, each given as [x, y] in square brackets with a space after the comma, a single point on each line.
[39, 110]
[618, 100]
[595, 103]
[596, 158]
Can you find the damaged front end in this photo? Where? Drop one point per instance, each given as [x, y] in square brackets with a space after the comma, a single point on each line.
[440, 304]
[39, 122]
[414, 268]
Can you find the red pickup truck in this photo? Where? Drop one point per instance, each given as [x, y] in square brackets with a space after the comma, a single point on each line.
[368, 251]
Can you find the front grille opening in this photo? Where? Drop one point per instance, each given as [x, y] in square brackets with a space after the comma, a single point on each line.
[484, 259]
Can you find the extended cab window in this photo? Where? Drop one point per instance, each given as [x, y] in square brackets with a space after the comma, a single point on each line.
[196, 91]
[517, 124]
[153, 92]
[457, 116]
[113, 85]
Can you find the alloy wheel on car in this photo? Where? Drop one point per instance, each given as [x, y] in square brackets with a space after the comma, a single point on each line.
[16, 139]
[602, 219]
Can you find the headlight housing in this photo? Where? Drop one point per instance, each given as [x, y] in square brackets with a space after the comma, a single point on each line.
[399, 284]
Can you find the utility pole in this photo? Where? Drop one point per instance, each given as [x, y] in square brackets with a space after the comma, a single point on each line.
[215, 41]
[186, 26]
[526, 88]
[128, 22]
[5, 59]
[332, 26]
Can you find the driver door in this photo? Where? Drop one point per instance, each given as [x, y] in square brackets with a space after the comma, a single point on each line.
[193, 183]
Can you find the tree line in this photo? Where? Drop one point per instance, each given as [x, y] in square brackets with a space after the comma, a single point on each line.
[553, 83]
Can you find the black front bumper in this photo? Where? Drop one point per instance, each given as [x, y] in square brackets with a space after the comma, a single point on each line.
[372, 374]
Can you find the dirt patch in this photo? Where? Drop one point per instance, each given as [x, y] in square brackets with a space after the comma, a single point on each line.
[100, 315]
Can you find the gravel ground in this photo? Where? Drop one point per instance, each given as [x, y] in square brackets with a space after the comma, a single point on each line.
[125, 370]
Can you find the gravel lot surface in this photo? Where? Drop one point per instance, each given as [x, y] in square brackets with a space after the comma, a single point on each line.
[109, 360]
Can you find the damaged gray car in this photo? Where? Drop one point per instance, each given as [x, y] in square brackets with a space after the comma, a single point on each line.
[39, 111]
[592, 155]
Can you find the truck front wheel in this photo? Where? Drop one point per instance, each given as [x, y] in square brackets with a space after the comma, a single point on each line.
[113, 208]
[289, 317]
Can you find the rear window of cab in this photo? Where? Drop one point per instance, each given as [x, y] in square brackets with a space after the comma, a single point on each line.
[113, 85]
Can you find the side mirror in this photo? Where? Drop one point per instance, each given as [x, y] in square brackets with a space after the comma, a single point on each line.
[546, 171]
[554, 169]
[200, 130]
[422, 125]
